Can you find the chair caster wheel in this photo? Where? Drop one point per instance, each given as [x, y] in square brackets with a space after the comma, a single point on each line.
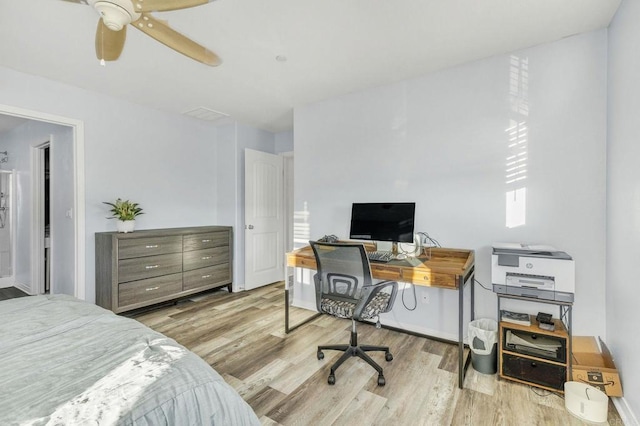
[320, 355]
[381, 381]
[388, 357]
[332, 379]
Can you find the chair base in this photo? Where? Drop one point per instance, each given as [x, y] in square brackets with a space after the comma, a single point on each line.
[353, 349]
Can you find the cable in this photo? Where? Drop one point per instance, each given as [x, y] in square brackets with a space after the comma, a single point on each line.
[428, 238]
[488, 289]
[415, 297]
[542, 394]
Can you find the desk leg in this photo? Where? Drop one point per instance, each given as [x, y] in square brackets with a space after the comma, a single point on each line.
[286, 309]
[460, 341]
[462, 362]
[287, 327]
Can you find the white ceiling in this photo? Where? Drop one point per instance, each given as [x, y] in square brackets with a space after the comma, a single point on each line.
[333, 47]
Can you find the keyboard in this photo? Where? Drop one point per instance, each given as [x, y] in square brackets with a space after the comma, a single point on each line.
[379, 256]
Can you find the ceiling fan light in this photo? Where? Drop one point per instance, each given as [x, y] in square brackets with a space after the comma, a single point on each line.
[116, 14]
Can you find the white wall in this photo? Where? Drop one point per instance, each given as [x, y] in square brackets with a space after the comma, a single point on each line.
[443, 142]
[623, 199]
[284, 141]
[167, 163]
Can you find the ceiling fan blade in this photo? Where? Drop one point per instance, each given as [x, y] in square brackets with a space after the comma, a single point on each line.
[163, 5]
[109, 43]
[77, 1]
[173, 39]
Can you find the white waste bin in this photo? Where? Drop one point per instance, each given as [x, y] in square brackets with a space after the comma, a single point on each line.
[483, 341]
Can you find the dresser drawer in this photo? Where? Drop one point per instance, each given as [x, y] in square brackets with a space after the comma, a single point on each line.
[530, 370]
[149, 267]
[139, 247]
[203, 241]
[219, 274]
[150, 289]
[202, 258]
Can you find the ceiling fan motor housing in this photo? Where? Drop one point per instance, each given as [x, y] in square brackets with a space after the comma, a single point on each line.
[115, 13]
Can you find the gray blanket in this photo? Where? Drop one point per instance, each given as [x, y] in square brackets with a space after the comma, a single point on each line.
[67, 362]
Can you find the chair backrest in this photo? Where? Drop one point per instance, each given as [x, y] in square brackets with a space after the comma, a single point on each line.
[343, 270]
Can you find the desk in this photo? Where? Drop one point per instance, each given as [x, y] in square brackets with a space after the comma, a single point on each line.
[447, 268]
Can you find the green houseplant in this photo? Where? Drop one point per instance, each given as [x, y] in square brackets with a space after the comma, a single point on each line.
[126, 212]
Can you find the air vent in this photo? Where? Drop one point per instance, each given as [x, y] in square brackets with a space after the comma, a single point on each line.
[206, 114]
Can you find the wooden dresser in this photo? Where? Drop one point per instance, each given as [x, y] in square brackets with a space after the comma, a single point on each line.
[144, 267]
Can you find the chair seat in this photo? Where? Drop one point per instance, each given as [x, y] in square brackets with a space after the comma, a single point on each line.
[344, 309]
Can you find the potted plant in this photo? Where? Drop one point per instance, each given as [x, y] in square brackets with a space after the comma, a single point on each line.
[126, 212]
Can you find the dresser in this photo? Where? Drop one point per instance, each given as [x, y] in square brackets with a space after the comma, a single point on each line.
[141, 268]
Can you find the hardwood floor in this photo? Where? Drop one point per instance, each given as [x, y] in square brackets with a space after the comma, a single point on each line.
[242, 336]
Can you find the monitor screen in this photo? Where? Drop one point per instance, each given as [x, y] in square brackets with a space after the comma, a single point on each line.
[382, 222]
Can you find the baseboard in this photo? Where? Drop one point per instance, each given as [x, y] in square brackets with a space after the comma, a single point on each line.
[411, 328]
[304, 304]
[627, 416]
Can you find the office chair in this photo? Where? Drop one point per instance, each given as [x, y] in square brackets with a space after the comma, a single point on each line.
[344, 289]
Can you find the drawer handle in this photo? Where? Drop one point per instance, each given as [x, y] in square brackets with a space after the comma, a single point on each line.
[206, 241]
[534, 365]
[151, 288]
[206, 257]
[204, 277]
[151, 266]
[152, 246]
[426, 278]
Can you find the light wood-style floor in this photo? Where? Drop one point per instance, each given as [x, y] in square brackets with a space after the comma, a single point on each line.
[242, 336]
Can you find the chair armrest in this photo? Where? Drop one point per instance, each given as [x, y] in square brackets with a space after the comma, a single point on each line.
[370, 292]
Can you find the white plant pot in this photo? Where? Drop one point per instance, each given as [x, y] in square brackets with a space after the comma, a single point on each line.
[126, 225]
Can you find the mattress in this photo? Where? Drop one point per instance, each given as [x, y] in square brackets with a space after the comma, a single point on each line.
[64, 361]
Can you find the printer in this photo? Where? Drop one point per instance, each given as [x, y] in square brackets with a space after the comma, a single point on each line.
[539, 272]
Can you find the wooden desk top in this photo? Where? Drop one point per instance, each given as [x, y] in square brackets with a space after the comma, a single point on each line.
[441, 270]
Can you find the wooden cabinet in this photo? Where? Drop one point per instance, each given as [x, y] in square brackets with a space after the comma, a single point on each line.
[141, 268]
[534, 356]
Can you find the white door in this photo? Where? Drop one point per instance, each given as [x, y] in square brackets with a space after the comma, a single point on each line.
[264, 223]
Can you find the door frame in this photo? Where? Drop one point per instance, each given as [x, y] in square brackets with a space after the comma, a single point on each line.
[77, 127]
[37, 217]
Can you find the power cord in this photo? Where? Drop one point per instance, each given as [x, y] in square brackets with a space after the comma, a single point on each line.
[429, 239]
[488, 289]
[415, 297]
[545, 393]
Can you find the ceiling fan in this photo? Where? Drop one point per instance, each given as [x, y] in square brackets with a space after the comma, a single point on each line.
[116, 14]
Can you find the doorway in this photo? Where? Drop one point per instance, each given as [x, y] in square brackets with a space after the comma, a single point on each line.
[264, 224]
[70, 216]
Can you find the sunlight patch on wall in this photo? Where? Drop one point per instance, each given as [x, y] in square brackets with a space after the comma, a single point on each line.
[516, 207]
[301, 227]
[517, 143]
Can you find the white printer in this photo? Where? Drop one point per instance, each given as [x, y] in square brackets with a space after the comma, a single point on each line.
[540, 272]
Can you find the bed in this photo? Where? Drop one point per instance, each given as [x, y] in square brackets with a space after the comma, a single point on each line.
[66, 361]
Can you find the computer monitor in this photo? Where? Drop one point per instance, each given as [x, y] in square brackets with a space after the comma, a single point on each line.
[383, 222]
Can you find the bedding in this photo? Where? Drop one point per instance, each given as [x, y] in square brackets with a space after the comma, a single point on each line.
[64, 361]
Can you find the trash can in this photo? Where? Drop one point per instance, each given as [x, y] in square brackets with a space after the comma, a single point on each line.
[483, 341]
